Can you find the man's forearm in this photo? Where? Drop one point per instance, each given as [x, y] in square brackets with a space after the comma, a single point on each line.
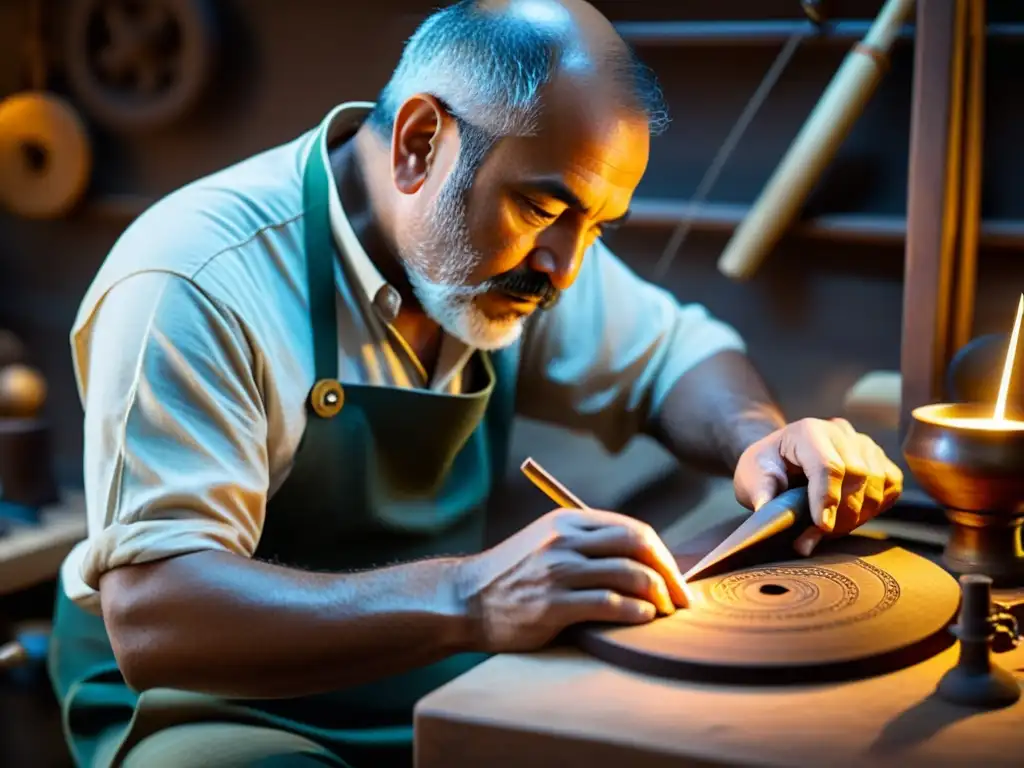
[226, 625]
[715, 411]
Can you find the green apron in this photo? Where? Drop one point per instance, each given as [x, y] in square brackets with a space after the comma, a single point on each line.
[382, 475]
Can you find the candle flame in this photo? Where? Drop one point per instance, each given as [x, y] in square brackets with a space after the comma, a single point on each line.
[999, 414]
[997, 422]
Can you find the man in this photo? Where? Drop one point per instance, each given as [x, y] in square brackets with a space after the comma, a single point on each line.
[299, 375]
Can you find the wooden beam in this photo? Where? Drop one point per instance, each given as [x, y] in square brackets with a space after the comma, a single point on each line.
[966, 283]
[933, 200]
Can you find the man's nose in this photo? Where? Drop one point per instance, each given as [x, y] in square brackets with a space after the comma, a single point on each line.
[559, 256]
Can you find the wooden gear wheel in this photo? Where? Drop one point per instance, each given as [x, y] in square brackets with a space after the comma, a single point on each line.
[140, 64]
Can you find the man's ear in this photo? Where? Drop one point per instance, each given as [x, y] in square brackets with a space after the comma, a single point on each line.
[418, 127]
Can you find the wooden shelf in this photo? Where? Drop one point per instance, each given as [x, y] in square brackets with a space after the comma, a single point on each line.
[769, 32]
[848, 227]
[721, 33]
[707, 217]
[32, 555]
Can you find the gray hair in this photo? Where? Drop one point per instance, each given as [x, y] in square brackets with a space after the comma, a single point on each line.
[489, 69]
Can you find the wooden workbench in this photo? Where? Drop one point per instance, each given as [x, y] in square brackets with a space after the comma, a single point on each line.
[563, 708]
[30, 555]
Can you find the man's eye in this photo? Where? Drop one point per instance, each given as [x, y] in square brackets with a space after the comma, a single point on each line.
[534, 213]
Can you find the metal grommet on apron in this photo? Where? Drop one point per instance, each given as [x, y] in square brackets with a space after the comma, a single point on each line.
[326, 398]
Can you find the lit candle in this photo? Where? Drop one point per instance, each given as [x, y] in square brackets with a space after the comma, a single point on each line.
[998, 421]
[1011, 352]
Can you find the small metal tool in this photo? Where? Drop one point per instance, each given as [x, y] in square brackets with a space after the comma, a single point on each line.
[789, 510]
[551, 488]
[566, 499]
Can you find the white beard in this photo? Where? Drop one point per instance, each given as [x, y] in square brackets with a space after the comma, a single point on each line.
[452, 307]
[446, 299]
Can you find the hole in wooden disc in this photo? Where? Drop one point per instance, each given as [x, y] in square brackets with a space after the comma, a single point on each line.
[773, 589]
[35, 156]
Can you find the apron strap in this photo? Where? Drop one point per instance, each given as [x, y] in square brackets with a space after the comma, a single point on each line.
[320, 278]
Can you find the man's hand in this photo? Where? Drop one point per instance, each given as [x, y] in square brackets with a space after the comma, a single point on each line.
[570, 566]
[849, 478]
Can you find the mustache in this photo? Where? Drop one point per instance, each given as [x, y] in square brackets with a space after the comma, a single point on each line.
[527, 284]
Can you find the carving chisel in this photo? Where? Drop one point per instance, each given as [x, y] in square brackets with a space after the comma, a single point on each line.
[790, 510]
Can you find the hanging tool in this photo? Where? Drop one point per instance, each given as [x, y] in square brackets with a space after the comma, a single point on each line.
[822, 134]
[732, 140]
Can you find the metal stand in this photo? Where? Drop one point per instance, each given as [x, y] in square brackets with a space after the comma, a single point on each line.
[986, 544]
[975, 681]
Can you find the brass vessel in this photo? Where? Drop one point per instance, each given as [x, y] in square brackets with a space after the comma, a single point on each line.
[974, 468]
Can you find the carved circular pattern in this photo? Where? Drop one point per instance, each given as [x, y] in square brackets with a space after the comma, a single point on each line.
[794, 599]
[859, 602]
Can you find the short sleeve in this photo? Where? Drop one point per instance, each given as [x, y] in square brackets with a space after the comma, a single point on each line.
[604, 358]
[175, 430]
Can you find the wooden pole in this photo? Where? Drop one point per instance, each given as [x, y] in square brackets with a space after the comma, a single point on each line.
[933, 201]
[973, 161]
[814, 147]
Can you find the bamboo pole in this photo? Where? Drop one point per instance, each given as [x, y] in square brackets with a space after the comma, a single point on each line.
[814, 147]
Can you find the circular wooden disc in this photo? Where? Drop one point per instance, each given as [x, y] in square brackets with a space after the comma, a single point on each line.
[45, 155]
[861, 612]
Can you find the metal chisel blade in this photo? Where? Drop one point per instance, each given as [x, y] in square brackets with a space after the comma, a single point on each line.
[781, 513]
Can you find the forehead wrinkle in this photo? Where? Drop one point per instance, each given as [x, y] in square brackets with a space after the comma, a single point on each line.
[590, 166]
[594, 211]
[589, 161]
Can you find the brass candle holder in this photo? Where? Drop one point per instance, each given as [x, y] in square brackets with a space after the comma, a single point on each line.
[973, 465]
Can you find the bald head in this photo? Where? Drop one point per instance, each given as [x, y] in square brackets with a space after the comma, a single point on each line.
[490, 62]
[575, 22]
[511, 136]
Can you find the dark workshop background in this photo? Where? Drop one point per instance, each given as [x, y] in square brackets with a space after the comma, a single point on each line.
[817, 316]
[820, 313]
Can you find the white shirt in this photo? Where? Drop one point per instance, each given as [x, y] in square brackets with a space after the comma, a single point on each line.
[193, 356]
